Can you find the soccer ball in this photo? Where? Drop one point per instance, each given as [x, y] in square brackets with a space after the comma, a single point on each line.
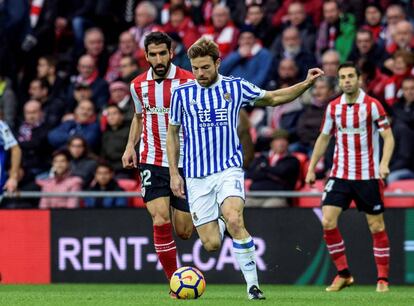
[188, 283]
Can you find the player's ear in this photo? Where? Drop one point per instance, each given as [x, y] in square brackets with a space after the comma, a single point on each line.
[171, 53]
[217, 63]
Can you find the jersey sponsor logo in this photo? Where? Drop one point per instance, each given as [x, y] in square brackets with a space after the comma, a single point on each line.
[212, 117]
[352, 130]
[156, 109]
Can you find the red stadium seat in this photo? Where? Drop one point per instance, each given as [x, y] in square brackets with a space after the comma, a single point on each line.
[311, 201]
[132, 186]
[247, 184]
[303, 160]
[400, 186]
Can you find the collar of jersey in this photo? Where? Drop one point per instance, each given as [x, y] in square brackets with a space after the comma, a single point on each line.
[171, 73]
[359, 100]
[216, 83]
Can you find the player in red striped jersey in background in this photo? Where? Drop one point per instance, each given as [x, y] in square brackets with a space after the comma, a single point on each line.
[151, 92]
[356, 120]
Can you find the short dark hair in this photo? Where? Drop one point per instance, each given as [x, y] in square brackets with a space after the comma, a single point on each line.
[365, 31]
[50, 59]
[63, 152]
[132, 60]
[104, 164]
[44, 83]
[157, 38]
[115, 106]
[349, 64]
[408, 79]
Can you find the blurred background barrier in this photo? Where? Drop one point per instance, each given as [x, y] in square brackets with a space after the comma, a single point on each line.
[114, 246]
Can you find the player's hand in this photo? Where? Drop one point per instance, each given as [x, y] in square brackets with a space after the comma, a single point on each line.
[11, 185]
[177, 186]
[310, 177]
[313, 75]
[129, 158]
[384, 171]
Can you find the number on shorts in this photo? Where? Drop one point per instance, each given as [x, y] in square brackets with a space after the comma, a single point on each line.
[145, 178]
[238, 186]
[329, 185]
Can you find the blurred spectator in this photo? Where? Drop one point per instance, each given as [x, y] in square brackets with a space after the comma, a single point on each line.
[312, 8]
[255, 16]
[165, 11]
[46, 69]
[120, 96]
[82, 163]
[104, 181]
[402, 163]
[114, 139]
[129, 68]
[373, 21]
[403, 37]
[310, 119]
[81, 91]
[8, 101]
[126, 46]
[84, 124]
[367, 48]
[180, 58]
[182, 24]
[330, 63]
[287, 74]
[373, 80]
[337, 31]
[250, 55]
[222, 30]
[274, 170]
[88, 74]
[145, 17]
[94, 42]
[61, 181]
[403, 67]
[393, 15]
[32, 137]
[291, 47]
[296, 17]
[52, 107]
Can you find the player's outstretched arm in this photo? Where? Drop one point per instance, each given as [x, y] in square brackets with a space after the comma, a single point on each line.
[288, 94]
[319, 150]
[387, 151]
[173, 154]
[129, 158]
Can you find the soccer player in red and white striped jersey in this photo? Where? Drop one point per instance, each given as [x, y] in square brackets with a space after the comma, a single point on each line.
[356, 120]
[151, 92]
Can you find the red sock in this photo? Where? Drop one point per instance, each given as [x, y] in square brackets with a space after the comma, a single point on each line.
[165, 247]
[336, 248]
[382, 253]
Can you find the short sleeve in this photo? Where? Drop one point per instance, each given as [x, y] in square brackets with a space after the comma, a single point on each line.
[250, 93]
[327, 126]
[379, 116]
[175, 108]
[135, 98]
[7, 135]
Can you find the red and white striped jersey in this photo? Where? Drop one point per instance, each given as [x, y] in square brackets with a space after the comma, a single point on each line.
[152, 100]
[356, 128]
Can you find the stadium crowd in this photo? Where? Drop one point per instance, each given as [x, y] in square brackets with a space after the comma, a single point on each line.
[65, 69]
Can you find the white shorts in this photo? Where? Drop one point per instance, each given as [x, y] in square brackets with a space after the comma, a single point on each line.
[206, 194]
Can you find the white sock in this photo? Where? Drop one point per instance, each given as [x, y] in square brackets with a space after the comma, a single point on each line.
[244, 251]
[222, 227]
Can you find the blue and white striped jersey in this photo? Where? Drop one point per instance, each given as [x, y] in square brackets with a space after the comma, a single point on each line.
[210, 117]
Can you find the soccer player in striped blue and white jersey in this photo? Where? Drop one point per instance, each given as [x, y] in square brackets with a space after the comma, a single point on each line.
[208, 110]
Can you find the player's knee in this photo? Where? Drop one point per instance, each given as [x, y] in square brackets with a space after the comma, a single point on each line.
[234, 222]
[185, 233]
[212, 245]
[376, 227]
[159, 219]
[328, 223]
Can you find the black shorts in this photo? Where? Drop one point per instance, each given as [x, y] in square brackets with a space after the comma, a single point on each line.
[367, 194]
[155, 183]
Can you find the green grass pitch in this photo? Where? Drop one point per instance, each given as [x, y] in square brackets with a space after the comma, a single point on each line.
[147, 294]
